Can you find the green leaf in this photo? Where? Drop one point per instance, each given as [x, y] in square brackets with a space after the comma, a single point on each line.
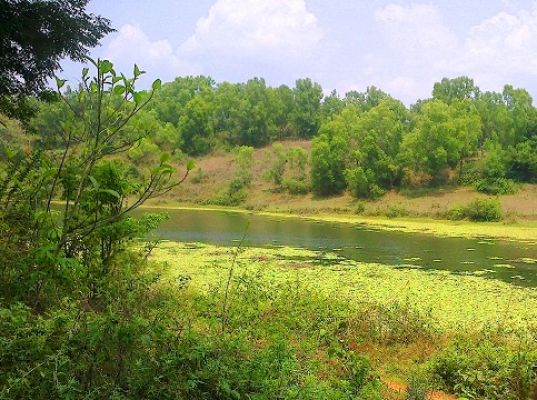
[60, 82]
[118, 90]
[85, 72]
[138, 97]
[94, 182]
[164, 157]
[111, 192]
[190, 165]
[157, 84]
[105, 66]
[137, 71]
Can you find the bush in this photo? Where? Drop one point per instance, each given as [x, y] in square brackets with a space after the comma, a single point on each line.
[396, 211]
[481, 369]
[418, 386]
[198, 176]
[479, 210]
[485, 210]
[360, 208]
[295, 186]
[496, 186]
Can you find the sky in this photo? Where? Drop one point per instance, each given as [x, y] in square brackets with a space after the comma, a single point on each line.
[402, 47]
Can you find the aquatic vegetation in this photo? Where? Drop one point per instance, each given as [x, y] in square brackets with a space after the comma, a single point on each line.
[455, 301]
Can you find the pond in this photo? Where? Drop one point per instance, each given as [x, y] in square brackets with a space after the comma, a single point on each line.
[513, 262]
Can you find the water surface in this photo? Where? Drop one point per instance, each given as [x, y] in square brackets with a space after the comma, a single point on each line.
[509, 261]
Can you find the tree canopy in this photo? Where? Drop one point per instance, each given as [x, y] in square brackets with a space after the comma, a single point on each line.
[34, 36]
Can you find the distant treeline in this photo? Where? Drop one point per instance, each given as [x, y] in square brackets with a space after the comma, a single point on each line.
[365, 142]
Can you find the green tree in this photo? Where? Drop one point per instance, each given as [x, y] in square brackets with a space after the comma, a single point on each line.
[331, 106]
[75, 248]
[461, 88]
[328, 154]
[195, 126]
[375, 140]
[443, 136]
[365, 101]
[307, 99]
[34, 36]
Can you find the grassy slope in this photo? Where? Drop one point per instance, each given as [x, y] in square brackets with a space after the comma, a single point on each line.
[218, 170]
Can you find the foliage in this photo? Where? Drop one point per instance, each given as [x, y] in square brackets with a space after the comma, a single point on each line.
[276, 171]
[442, 137]
[496, 186]
[485, 210]
[328, 153]
[36, 35]
[485, 369]
[367, 143]
[237, 189]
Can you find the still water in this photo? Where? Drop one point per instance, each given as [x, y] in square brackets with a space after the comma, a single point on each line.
[508, 261]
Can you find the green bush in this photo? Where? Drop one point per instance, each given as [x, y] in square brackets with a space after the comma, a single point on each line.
[479, 210]
[295, 186]
[482, 369]
[496, 186]
[484, 210]
[395, 211]
[418, 386]
[360, 208]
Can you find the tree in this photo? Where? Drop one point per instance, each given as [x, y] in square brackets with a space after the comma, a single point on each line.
[461, 88]
[442, 137]
[366, 100]
[307, 99]
[98, 190]
[328, 154]
[374, 142]
[34, 36]
[195, 128]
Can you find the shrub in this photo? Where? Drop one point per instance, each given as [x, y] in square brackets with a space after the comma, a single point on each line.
[198, 176]
[479, 210]
[418, 386]
[295, 186]
[360, 208]
[484, 210]
[396, 211]
[496, 186]
[481, 369]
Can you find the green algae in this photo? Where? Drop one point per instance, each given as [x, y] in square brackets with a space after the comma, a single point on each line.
[456, 302]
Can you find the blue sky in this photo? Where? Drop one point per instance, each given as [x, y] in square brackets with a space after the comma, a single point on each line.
[400, 46]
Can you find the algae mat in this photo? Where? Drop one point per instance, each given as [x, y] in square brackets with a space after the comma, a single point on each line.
[454, 301]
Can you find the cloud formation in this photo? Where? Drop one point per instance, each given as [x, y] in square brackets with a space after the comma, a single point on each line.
[494, 52]
[401, 47]
[274, 29]
[131, 45]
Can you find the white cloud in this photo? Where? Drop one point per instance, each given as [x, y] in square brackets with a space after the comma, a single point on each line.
[131, 45]
[505, 43]
[417, 31]
[424, 49]
[271, 30]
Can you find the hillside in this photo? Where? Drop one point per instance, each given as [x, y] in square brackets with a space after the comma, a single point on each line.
[214, 172]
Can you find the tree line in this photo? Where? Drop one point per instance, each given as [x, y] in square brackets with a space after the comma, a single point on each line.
[365, 142]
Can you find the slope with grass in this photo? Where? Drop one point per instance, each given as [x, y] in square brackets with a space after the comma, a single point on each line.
[215, 171]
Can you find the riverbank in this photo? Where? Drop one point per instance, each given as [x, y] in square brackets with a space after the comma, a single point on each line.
[420, 330]
[517, 231]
